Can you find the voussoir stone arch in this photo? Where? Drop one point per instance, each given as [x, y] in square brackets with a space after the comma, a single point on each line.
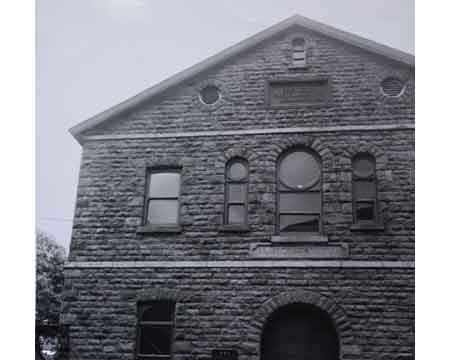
[163, 294]
[250, 345]
[301, 141]
[362, 147]
[235, 152]
[154, 162]
[238, 152]
[133, 297]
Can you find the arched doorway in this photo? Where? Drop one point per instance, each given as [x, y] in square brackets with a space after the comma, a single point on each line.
[299, 332]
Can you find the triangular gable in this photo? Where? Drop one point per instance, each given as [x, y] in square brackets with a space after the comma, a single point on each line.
[234, 50]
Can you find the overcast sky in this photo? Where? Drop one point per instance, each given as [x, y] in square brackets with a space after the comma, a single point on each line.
[92, 54]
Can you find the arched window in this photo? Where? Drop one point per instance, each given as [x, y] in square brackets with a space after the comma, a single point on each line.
[236, 192]
[156, 321]
[364, 189]
[298, 52]
[299, 198]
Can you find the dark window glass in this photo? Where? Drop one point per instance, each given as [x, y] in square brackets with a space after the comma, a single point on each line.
[210, 94]
[155, 339]
[236, 192]
[365, 210]
[364, 189]
[157, 311]
[299, 223]
[155, 329]
[162, 204]
[299, 192]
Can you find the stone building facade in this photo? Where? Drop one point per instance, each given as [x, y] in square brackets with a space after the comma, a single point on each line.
[259, 205]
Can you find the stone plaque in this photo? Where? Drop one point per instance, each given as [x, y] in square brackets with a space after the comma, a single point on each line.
[300, 252]
[294, 93]
[223, 354]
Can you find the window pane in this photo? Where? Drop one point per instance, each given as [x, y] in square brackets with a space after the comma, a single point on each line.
[157, 311]
[364, 189]
[236, 214]
[299, 169]
[164, 185]
[155, 339]
[210, 94]
[300, 223]
[365, 211]
[300, 202]
[163, 212]
[363, 166]
[237, 171]
[236, 192]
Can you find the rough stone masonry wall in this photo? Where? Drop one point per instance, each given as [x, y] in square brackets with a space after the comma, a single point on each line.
[373, 309]
[111, 193]
[221, 305]
[354, 76]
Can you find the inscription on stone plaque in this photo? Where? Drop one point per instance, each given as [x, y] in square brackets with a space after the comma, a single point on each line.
[224, 354]
[300, 252]
[293, 93]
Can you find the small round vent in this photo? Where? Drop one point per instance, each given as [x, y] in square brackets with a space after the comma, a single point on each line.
[210, 94]
[392, 86]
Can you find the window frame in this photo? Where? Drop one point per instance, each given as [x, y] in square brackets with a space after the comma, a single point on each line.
[201, 95]
[228, 182]
[160, 170]
[299, 62]
[140, 309]
[318, 183]
[368, 178]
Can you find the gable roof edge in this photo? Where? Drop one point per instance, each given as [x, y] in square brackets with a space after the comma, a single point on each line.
[352, 39]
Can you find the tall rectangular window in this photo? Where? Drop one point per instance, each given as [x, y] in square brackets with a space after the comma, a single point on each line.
[236, 192]
[162, 198]
[364, 189]
[155, 327]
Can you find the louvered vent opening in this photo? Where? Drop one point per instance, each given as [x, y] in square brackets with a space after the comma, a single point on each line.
[392, 86]
[299, 52]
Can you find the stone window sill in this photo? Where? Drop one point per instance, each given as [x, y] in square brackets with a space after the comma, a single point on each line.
[367, 227]
[234, 228]
[159, 229]
[299, 238]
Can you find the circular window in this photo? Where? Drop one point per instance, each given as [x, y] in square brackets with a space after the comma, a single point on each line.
[299, 170]
[363, 166]
[237, 171]
[209, 94]
[392, 86]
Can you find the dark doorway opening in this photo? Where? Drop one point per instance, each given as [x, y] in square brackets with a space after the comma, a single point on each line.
[299, 332]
